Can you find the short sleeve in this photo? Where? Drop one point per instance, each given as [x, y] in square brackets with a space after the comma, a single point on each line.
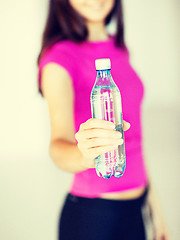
[59, 54]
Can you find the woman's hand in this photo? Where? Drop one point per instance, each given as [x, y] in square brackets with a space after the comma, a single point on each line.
[159, 225]
[160, 229]
[96, 137]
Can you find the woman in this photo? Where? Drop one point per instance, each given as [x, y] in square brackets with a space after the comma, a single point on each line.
[94, 208]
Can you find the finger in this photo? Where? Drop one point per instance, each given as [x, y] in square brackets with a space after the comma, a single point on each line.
[97, 142]
[98, 133]
[126, 125]
[97, 123]
[165, 236]
[160, 235]
[94, 152]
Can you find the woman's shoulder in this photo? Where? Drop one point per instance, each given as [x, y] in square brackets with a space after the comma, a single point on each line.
[64, 45]
[59, 48]
[61, 52]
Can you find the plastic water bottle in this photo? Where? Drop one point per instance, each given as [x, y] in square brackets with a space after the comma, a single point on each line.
[106, 105]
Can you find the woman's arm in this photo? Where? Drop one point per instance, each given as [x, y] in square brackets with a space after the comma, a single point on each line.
[95, 136]
[160, 229]
[58, 92]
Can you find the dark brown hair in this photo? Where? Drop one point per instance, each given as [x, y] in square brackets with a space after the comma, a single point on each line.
[64, 23]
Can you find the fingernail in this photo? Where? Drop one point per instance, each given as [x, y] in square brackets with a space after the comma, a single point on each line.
[121, 141]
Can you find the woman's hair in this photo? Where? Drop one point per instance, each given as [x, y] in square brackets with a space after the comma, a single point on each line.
[65, 23]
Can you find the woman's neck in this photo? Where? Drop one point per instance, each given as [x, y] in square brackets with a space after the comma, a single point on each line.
[97, 31]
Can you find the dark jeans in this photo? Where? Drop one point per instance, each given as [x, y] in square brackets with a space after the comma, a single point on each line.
[101, 219]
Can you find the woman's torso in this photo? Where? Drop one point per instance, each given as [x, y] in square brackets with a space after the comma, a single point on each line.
[129, 194]
[78, 60]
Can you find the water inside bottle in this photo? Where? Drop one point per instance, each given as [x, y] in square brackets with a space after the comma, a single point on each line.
[106, 105]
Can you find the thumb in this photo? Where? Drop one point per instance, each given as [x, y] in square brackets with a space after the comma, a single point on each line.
[126, 125]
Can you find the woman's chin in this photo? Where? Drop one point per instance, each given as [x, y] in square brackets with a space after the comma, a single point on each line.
[95, 18]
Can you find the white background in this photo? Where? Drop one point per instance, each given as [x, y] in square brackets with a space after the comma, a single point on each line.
[32, 187]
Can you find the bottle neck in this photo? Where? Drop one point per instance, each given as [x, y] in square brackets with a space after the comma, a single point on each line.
[104, 78]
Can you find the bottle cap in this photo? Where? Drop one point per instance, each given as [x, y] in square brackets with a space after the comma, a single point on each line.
[103, 63]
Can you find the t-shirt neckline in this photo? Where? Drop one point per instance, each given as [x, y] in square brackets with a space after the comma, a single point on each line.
[100, 42]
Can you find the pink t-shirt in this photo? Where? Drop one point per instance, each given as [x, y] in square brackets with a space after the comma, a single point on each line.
[79, 61]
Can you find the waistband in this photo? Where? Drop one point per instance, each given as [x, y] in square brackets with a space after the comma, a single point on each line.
[100, 204]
